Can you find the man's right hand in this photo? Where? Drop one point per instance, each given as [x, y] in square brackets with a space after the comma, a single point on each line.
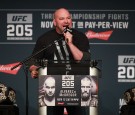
[33, 71]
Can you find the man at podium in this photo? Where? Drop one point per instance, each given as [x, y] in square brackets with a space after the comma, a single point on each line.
[63, 43]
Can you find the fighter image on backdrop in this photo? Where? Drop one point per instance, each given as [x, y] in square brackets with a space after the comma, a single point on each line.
[47, 93]
[88, 98]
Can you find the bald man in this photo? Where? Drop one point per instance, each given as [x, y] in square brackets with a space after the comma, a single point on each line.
[69, 45]
[48, 99]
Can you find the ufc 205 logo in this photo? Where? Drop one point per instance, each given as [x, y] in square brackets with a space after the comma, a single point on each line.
[19, 30]
[19, 25]
[126, 69]
[19, 18]
[68, 81]
[126, 72]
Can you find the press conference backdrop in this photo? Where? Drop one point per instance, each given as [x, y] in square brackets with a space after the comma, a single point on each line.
[111, 37]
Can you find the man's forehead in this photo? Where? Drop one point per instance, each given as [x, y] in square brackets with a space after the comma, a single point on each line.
[50, 80]
[85, 80]
[62, 13]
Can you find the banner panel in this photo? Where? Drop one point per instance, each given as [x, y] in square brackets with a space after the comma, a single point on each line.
[68, 90]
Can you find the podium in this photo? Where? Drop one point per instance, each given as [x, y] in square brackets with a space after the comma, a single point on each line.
[127, 110]
[9, 110]
[68, 84]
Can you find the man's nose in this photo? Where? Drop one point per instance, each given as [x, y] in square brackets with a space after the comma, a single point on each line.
[50, 89]
[66, 20]
[85, 89]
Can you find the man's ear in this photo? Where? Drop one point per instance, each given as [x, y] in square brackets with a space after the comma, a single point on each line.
[54, 22]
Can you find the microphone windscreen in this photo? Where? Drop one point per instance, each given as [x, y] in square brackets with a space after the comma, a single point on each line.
[67, 29]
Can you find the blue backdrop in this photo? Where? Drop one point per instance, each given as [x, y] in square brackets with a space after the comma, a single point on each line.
[109, 27]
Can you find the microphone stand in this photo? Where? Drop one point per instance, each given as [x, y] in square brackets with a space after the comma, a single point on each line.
[26, 68]
[33, 55]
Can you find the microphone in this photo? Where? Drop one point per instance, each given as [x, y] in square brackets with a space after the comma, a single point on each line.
[67, 29]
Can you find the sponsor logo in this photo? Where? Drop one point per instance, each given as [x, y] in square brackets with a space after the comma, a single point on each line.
[60, 103]
[7, 68]
[126, 68]
[19, 27]
[98, 35]
[67, 81]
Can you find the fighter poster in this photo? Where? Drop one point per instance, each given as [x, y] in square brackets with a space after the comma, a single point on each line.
[68, 90]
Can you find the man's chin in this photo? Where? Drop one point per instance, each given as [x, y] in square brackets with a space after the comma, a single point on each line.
[84, 98]
[50, 96]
